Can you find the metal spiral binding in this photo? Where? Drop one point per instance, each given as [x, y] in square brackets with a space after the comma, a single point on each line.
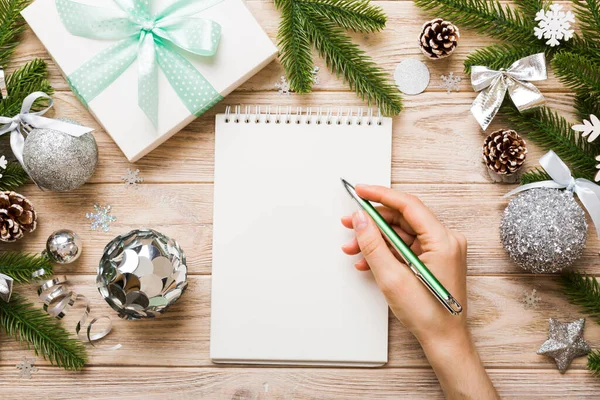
[285, 115]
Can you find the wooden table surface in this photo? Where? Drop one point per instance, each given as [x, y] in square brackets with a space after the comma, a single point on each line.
[436, 155]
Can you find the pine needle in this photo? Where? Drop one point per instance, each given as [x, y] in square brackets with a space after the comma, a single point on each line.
[584, 291]
[343, 57]
[579, 73]
[486, 16]
[28, 323]
[552, 132]
[501, 55]
[29, 78]
[13, 177]
[535, 175]
[321, 23]
[355, 15]
[593, 363]
[11, 26]
[20, 266]
[588, 19]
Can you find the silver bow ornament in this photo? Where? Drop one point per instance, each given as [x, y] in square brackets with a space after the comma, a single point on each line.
[6, 285]
[35, 120]
[516, 80]
[587, 191]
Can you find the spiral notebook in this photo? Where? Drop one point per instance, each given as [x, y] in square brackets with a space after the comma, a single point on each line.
[283, 292]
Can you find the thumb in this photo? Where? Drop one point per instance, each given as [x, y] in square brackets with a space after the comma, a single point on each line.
[373, 247]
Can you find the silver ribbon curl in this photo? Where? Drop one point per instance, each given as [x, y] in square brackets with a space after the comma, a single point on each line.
[587, 191]
[6, 285]
[516, 80]
[35, 120]
[58, 299]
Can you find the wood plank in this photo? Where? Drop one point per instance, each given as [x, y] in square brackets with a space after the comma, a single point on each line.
[282, 383]
[184, 212]
[435, 140]
[507, 335]
[396, 42]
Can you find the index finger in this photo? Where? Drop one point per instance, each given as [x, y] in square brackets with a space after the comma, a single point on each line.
[415, 213]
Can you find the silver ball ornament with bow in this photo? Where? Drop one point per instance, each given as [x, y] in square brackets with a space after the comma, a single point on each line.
[58, 161]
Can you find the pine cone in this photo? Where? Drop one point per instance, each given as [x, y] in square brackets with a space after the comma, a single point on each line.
[504, 151]
[16, 216]
[438, 38]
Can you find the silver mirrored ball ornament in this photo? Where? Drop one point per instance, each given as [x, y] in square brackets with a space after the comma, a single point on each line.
[544, 230]
[142, 273]
[58, 161]
[63, 246]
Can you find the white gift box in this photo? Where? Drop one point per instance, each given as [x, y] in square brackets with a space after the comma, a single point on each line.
[243, 50]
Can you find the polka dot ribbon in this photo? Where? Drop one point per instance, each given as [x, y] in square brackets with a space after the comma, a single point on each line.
[155, 41]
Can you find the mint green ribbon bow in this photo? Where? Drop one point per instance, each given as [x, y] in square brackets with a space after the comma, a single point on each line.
[154, 40]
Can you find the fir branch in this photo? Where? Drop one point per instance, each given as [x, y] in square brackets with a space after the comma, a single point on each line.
[486, 16]
[11, 25]
[500, 55]
[593, 363]
[343, 57]
[27, 322]
[535, 175]
[588, 18]
[20, 266]
[530, 7]
[585, 107]
[30, 78]
[578, 72]
[355, 15]
[295, 47]
[13, 177]
[553, 132]
[584, 291]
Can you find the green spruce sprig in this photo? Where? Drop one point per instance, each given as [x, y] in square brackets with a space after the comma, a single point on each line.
[28, 323]
[27, 79]
[593, 363]
[11, 25]
[486, 16]
[579, 73]
[500, 55]
[321, 23]
[584, 291]
[20, 266]
[553, 132]
[13, 177]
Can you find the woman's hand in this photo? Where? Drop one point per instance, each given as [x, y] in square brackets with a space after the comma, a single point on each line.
[444, 337]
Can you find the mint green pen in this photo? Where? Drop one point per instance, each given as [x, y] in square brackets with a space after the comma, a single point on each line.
[410, 258]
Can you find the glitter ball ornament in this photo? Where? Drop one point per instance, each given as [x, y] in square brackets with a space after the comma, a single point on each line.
[63, 246]
[58, 161]
[142, 273]
[544, 230]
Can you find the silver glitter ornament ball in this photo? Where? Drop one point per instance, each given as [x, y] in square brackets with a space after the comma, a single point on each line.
[142, 273]
[58, 161]
[63, 246]
[544, 230]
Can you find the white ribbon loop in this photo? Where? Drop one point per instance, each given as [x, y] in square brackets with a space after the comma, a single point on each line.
[35, 120]
[493, 86]
[587, 191]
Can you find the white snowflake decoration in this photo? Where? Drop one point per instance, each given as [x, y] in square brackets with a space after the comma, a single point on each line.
[26, 366]
[554, 25]
[450, 82]
[530, 299]
[101, 217]
[3, 163]
[283, 86]
[132, 177]
[315, 72]
[589, 129]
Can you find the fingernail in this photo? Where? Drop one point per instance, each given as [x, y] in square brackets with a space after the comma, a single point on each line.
[359, 220]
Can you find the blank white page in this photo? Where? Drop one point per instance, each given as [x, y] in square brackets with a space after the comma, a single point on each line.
[283, 292]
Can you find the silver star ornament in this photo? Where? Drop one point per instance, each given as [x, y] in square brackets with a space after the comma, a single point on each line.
[565, 343]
